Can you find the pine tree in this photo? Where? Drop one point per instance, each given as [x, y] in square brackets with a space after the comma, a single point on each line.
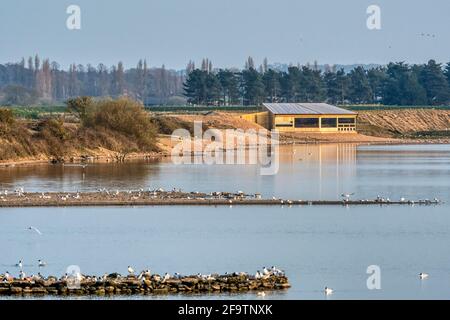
[290, 85]
[376, 77]
[272, 85]
[253, 87]
[360, 91]
[401, 85]
[229, 87]
[435, 83]
[214, 89]
[332, 87]
[312, 87]
[447, 73]
[195, 87]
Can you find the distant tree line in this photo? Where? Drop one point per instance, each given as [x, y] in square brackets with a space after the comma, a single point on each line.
[394, 84]
[33, 80]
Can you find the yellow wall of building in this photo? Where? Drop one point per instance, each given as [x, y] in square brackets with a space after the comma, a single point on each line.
[261, 118]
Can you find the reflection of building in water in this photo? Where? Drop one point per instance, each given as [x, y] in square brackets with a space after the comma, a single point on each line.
[341, 153]
[326, 168]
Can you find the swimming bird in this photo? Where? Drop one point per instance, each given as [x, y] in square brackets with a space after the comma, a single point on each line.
[261, 294]
[423, 276]
[130, 270]
[35, 230]
[328, 291]
[42, 263]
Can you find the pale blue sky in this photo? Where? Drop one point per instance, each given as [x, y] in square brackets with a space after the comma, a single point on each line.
[171, 32]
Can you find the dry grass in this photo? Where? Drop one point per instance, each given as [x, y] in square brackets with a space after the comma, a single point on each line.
[120, 126]
[399, 123]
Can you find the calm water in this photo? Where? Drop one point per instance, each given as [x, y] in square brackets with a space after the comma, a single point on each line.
[317, 246]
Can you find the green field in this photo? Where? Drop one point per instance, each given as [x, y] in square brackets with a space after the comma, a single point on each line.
[188, 108]
[39, 111]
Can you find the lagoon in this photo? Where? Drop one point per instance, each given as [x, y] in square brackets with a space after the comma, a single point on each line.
[317, 246]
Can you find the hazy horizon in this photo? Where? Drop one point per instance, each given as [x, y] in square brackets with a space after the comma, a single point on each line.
[172, 32]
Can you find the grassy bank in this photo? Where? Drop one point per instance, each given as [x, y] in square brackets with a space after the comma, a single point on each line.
[115, 127]
[405, 123]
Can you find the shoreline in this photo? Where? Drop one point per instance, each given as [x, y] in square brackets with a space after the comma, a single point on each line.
[109, 158]
[177, 198]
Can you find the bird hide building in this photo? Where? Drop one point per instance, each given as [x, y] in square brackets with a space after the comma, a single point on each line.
[305, 117]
